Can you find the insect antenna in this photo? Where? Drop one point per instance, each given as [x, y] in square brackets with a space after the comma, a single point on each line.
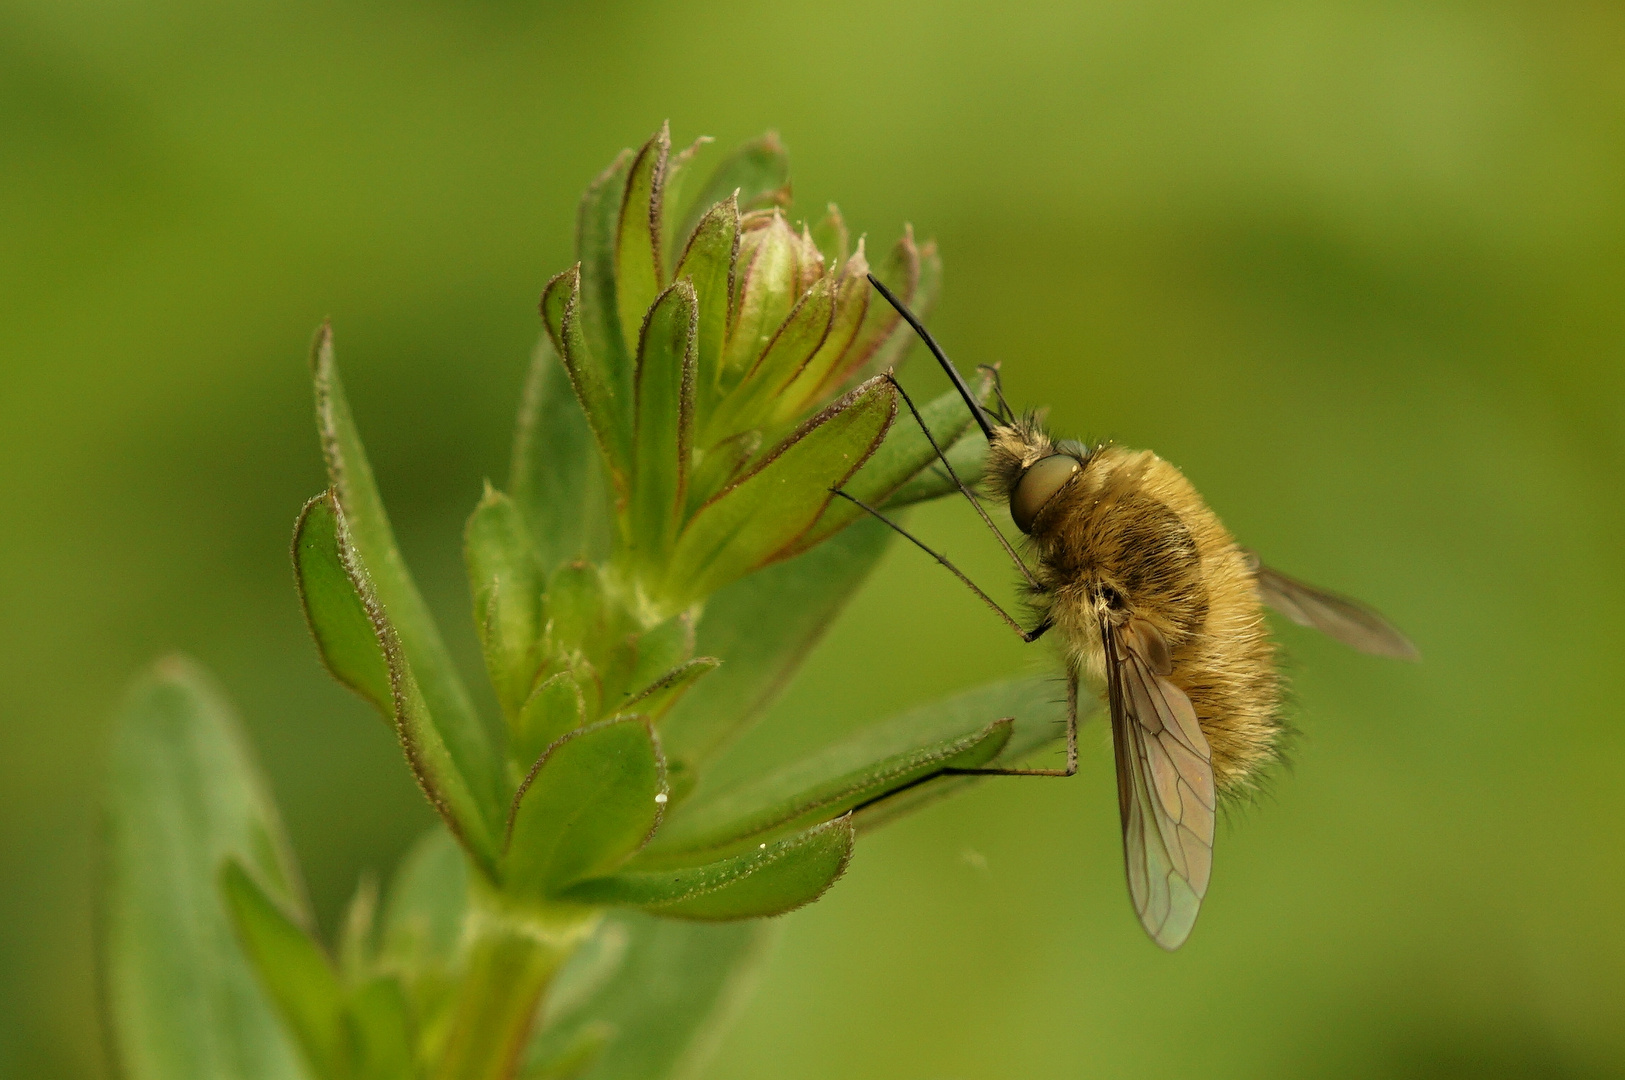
[979, 414]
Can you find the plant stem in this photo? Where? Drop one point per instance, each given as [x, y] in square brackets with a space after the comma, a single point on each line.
[511, 960]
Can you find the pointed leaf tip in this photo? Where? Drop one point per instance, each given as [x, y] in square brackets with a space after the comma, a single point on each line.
[842, 777]
[759, 171]
[638, 270]
[757, 520]
[771, 880]
[506, 582]
[293, 969]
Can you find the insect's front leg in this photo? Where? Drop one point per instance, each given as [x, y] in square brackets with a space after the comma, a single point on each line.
[1009, 620]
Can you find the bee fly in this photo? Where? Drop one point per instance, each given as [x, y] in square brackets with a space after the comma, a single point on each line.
[1155, 600]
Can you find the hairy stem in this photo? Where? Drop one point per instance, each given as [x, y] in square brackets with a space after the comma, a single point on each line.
[512, 958]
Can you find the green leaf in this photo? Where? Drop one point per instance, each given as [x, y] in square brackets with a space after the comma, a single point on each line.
[358, 936]
[679, 176]
[664, 439]
[433, 763]
[424, 916]
[1038, 704]
[905, 452]
[294, 970]
[769, 880]
[758, 519]
[820, 787]
[556, 708]
[572, 1060]
[598, 320]
[423, 912]
[663, 647]
[968, 455]
[588, 805]
[656, 993]
[765, 625]
[774, 268]
[598, 389]
[793, 344]
[447, 715]
[505, 579]
[435, 766]
[824, 369]
[577, 610]
[759, 170]
[659, 696]
[556, 478]
[334, 606]
[637, 236]
[718, 466]
[184, 794]
[381, 1027]
[709, 262]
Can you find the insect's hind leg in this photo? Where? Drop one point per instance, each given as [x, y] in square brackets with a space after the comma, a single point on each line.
[1071, 758]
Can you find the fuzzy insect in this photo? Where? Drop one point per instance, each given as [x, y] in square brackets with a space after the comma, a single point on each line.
[1156, 602]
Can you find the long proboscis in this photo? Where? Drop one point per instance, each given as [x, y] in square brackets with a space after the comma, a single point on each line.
[978, 413]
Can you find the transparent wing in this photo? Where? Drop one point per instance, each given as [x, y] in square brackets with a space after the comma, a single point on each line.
[1164, 787]
[1339, 617]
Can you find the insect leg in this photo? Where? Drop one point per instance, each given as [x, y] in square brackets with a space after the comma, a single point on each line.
[960, 484]
[1071, 757]
[1026, 635]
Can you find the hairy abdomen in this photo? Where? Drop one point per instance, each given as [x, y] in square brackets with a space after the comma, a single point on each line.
[1140, 537]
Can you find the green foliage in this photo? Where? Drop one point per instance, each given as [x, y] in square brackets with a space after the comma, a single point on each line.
[183, 795]
[591, 801]
[759, 517]
[336, 599]
[765, 625]
[771, 880]
[906, 455]
[506, 581]
[555, 478]
[666, 557]
[841, 778]
[297, 974]
[663, 440]
[645, 997]
[442, 735]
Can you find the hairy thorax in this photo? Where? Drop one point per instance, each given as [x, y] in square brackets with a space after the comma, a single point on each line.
[1128, 537]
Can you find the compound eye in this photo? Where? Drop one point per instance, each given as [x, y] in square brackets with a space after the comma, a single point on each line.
[1038, 485]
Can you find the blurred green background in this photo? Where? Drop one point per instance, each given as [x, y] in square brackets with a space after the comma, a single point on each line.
[1355, 266]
